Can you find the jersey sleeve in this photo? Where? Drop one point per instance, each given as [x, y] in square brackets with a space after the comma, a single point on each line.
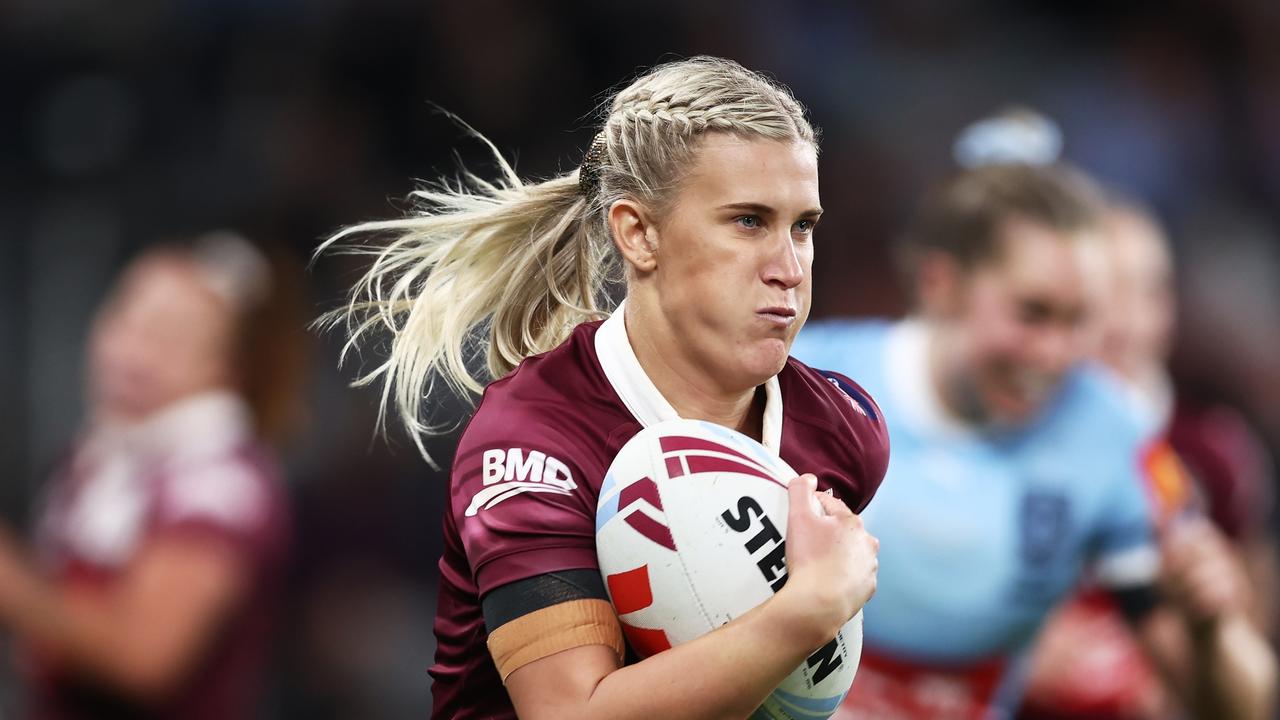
[837, 351]
[835, 431]
[521, 500]
[224, 497]
[868, 437]
[1125, 554]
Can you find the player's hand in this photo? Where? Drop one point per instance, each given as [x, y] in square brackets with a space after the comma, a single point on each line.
[1201, 573]
[831, 558]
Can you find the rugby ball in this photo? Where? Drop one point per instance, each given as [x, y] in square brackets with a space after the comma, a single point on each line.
[690, 531]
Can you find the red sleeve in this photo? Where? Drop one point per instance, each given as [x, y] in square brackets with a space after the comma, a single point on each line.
[839, 434]
[227, 498]
[1230, 464]
[523, 497]
[868, 435]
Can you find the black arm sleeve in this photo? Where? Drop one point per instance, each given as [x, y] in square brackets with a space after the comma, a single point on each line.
[1136, 602]
[513, 600]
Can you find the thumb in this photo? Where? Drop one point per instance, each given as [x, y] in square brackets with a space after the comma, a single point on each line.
[800, 496]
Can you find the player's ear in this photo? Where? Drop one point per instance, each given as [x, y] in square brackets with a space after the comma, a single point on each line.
[635, 235]
[939, 280]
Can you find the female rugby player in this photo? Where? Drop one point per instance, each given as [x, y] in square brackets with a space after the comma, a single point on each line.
[1018, 470]
[703, 180]
[162, 541]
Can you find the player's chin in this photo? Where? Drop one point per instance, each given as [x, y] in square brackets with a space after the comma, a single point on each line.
[765, 358]
[121, 401]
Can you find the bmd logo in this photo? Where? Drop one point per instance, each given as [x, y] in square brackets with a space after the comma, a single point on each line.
[509, 472]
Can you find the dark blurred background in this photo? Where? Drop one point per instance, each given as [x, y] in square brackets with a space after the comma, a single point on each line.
[126, 123]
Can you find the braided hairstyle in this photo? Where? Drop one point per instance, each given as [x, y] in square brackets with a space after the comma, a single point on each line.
[519, 265]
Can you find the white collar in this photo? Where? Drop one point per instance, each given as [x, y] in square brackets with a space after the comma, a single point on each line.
[643, 399]
[1151, 398]
[204, 424]
[910, 382]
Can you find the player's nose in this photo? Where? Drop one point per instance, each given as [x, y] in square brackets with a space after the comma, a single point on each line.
[784, 266]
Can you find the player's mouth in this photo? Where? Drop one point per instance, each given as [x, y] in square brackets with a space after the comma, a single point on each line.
[779, 316]
[1034, 387]
[1025, 391]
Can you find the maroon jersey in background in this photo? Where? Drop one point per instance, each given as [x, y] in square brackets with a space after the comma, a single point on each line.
[1229, 464]
[194, 468]
[528, 471]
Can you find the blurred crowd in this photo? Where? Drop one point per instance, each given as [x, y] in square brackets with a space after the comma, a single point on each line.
[145, 125]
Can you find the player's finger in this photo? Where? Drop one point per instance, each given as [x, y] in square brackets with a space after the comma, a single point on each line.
[1215, 588]
[1176, 555]
[799, 492]
[1193, 538]
[833, 507]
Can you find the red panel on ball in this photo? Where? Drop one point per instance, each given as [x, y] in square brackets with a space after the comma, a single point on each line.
[630, 590]
[645, 641]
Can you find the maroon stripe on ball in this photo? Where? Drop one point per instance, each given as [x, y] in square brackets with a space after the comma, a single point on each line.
[642, 489]
[674, 468]
[677, 443]
[705, 463]
[652, 529]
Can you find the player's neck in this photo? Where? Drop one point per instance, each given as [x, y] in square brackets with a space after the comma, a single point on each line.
[694, 393]
[746, 414]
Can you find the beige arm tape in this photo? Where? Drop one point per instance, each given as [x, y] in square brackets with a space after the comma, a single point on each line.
[563, 626]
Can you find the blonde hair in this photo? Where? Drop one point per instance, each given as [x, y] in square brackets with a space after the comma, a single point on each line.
[507, 269]
[963, 215]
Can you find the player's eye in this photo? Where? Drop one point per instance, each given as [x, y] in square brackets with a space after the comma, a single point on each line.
[1035, 312]
[804, 227]
[750, 222]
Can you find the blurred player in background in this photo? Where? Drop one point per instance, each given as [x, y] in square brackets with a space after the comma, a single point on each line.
[163, 537]
[704, 179]
[1015, 466]
[1232, 480]
[1088, 663]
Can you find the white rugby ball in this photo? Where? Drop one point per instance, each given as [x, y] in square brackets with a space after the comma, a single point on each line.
[690, 532]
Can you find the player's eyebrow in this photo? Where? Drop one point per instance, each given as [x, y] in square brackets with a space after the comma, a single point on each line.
[762, 209]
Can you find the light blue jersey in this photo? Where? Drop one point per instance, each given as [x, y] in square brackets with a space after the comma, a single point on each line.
[981, 534]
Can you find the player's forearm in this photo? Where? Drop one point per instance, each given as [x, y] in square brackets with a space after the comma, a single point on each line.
[1236, 671]
[35, 611]
[727, 673]
[84, 633]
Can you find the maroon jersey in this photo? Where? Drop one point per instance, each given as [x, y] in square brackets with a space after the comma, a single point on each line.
[528, 471]
[1228, 463]
[193, 469]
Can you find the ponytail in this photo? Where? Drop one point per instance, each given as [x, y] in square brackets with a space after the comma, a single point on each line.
[521, 263]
